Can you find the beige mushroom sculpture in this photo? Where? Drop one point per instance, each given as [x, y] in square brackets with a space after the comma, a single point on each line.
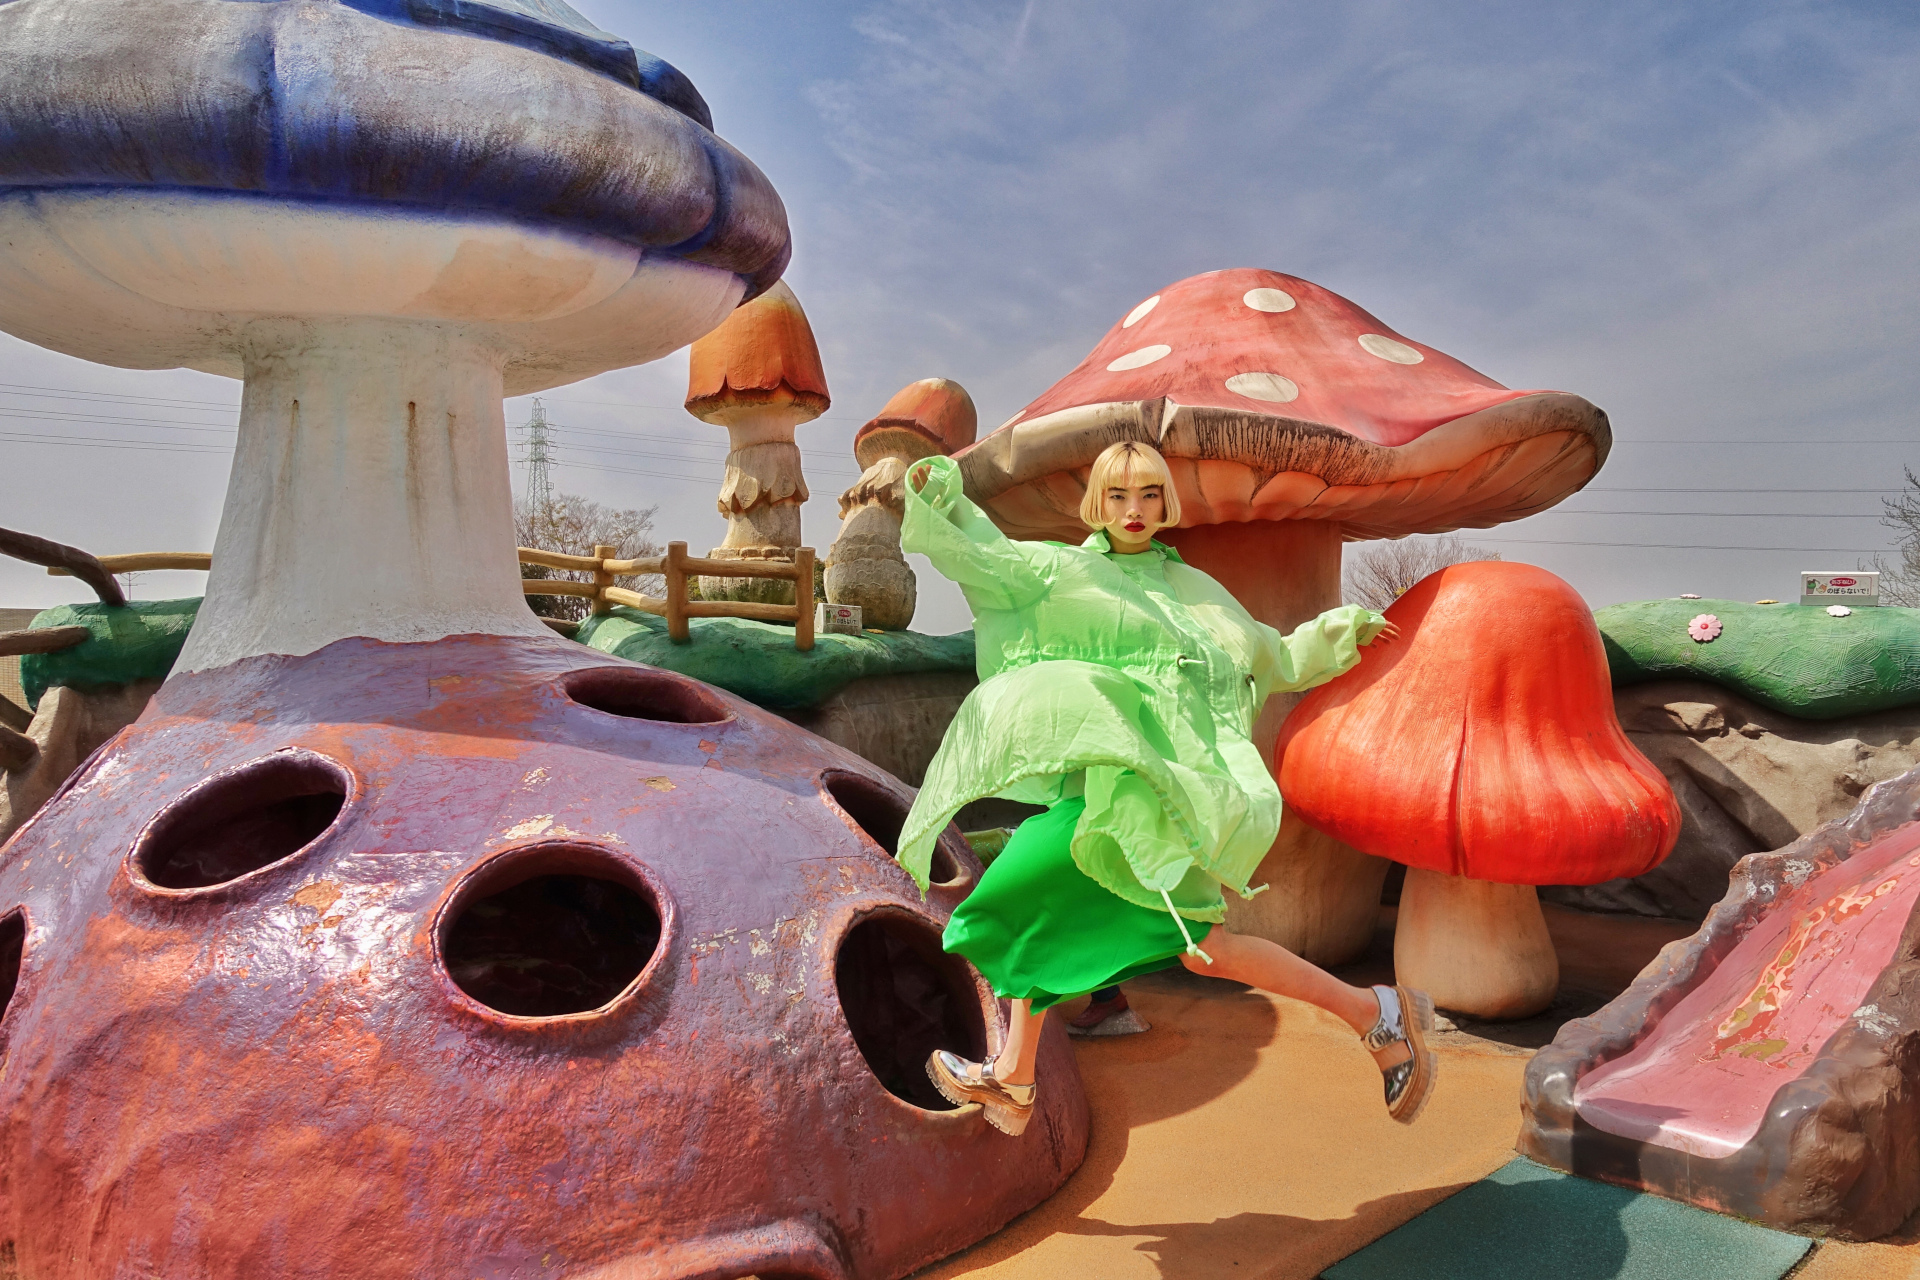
[1293, 421]
[759, 376]
[928, 418]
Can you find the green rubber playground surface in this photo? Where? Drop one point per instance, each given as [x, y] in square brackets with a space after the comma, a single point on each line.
[1528, 1222]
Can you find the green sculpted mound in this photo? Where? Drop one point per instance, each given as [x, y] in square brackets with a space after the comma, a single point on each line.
[757, 660]
[1793, 658]
[137, 642]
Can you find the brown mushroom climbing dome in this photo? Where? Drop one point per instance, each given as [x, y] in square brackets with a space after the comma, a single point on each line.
[1275, 399]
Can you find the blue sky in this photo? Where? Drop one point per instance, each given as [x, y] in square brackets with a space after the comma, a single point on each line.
[1701, 217]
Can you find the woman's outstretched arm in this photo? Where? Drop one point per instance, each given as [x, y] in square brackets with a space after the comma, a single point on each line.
[941, 524]
[1317, 650]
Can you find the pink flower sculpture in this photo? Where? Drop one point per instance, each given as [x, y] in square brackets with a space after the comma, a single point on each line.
[1704, 629]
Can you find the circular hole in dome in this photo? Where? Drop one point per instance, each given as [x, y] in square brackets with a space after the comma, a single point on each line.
[904, 997]
[881, 814]
[240, 821]
[13, 949]
[639, 694]
[551, 931]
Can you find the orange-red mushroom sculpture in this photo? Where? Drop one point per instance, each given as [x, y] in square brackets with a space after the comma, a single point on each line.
[1293, 421]
[1482, 751]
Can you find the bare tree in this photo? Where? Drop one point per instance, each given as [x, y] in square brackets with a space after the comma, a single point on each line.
[1381, 572]
[574, 526]
[1900, 581]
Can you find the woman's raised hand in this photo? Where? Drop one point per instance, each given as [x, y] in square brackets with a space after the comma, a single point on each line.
[918, 476]
[1388, 634]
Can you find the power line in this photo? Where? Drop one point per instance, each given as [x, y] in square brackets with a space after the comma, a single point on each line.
[668, 457]
[1681, 546]
[680, 408]
[628, 471]
[101, 442]
[684, 441]
[1750, 515]
[76, 391]
[74, 419]
[1614, 489]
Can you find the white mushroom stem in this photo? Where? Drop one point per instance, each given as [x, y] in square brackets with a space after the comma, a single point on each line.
[369, 494]
[1325, 898]
[1475, 946]
[865, 566]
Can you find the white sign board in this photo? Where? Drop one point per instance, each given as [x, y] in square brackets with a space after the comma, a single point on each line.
[837, 619]
[1859, 587]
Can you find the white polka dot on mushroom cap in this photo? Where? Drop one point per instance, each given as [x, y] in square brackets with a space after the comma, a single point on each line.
[1137, 359]
[1264, 386]
[1387, 349]
[1139, 313]
[1274, 300]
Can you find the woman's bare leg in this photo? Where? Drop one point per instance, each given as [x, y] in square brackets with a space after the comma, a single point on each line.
[1271, 967]
[1015, 1062]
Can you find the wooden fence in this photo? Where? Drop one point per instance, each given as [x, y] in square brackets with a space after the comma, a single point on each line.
[676, 566]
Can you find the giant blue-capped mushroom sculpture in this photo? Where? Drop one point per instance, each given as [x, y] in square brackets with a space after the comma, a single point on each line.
[383, 215]
[400, 937]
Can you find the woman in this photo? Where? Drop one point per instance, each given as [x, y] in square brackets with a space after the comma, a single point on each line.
[1119, 688]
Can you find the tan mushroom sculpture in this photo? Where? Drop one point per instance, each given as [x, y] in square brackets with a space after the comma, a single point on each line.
[759, 376]
[1293, 421]
[929, 418]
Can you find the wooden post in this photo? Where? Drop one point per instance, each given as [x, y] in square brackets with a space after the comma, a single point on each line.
[601, 578]
[677, 593]
[803, 598]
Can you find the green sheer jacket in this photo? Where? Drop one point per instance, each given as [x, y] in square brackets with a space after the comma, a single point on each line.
[1137, 690]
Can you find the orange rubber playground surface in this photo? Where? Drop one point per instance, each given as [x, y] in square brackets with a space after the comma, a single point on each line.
[1244, 1136]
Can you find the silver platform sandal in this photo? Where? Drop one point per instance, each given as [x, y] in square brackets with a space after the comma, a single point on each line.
[1008, 1106]
[1405, 1015]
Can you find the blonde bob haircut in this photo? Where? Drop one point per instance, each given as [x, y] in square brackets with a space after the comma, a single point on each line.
[1124, 466]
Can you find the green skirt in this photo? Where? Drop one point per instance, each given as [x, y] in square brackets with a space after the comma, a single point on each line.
[1040, 929]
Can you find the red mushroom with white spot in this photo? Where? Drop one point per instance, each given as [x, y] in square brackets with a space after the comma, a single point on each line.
[1294, 422]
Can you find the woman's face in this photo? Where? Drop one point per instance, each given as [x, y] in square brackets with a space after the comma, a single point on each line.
[1133, 514]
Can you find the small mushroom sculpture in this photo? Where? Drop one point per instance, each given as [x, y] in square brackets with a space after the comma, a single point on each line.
[399, 937]
[924, 419]
[759, 376]
[1483, 753]
[1293, 421]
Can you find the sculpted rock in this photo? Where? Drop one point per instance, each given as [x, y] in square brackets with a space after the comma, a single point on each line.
[1748, 779]
[1768, 1066]
[66, 728]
